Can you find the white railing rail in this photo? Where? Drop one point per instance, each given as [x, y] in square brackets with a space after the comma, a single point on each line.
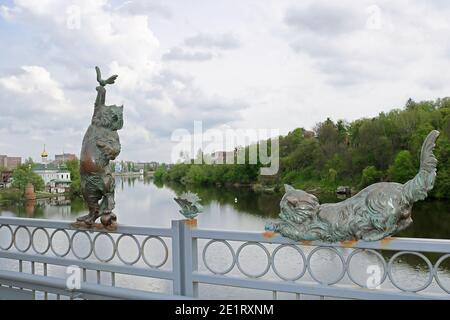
[37, 249]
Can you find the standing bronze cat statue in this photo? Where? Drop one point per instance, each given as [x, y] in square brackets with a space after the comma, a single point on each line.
[101, 144]
[374, 213]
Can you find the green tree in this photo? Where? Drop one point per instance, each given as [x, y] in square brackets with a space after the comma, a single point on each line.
[332, 174]
[403, 168]
[369, 176]
[160, 173]
[74, 168]
[442, 152]
[178, 171]
[197, 174]
[24, 175]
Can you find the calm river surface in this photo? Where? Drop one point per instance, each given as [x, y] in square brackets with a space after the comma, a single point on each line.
[146, 203]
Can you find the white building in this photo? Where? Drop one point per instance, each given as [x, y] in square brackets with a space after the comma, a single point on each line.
[56, 177]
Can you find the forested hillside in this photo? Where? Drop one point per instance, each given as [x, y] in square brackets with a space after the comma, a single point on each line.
[384, 148]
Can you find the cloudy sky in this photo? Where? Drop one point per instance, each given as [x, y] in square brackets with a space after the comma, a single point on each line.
[244, 64]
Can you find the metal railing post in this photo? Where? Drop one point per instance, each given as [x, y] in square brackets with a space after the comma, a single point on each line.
[176, 258]
[191, 257]
[185, 258]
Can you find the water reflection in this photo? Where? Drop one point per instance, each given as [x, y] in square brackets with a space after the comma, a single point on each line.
[59, 208]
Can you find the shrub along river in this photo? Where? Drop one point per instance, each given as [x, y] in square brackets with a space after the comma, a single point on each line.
[145, 202]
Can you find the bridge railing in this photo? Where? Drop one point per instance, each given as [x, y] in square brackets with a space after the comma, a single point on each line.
[38, 247]
[186, 262]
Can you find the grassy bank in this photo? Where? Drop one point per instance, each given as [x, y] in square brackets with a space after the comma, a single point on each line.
[14, 195]
[10, 195]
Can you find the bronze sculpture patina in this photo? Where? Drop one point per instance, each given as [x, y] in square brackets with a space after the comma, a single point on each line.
[374, 213]
[190, 205]
[100, 145]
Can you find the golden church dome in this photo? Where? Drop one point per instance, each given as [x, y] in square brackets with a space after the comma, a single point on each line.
[44, 153]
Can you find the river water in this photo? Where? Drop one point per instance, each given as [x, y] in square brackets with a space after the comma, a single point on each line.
[144, 202]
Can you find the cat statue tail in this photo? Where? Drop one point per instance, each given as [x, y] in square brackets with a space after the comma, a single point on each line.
[417, 188]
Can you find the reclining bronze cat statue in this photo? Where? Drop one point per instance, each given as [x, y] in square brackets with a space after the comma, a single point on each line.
[374, 213]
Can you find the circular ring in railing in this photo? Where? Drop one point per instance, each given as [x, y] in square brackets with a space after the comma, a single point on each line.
[29, 238]
[233, 255]
[91, 245]
[269, 260]
[32, 240]
[436, 276]
[113, 245]
[341, 275]
[379, 256]
[68, 239]
[418, 254]
[12, 236]
[298, 276]
[166, 252]
[137, 245]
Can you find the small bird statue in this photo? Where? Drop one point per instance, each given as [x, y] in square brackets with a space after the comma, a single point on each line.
[102, 82]
[189, 203]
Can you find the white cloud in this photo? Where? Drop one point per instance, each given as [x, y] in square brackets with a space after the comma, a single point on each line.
[34, 80]
[177, 54]
[325, 18]
[33, 91]
[250, 64]
[145, 7]
[337, 38]
[120, 40]
[225, 41]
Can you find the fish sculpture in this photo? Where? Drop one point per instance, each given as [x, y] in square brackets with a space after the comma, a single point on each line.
[190, 204]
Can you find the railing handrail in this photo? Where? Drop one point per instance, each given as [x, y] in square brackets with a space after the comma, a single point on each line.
[393, 243]
[68, 225]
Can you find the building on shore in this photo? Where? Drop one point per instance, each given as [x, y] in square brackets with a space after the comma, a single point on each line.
[55, 175]
[6, 179]
[118, 167]
[145, 166]
[152, 165]
[10, 163]
[130, 167]
[61, 158]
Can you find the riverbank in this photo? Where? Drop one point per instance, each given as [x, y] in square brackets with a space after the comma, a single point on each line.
[148, 202]
[13, 195]
[127, 174]
[259, 185]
